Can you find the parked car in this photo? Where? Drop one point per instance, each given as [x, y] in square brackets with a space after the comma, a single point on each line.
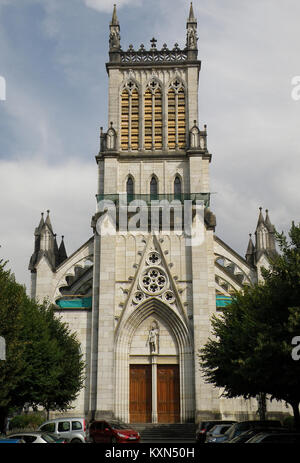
[238, 428]
[72, 429]
[112, 432]
[36, 438]
[205, 426]
[275, 438]
[247, 435]
[5, 440]
[216, 434]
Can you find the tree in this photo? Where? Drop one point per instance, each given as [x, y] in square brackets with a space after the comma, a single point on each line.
[250, 353]
[43, 365]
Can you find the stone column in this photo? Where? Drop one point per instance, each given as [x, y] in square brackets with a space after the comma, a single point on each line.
[154, 388]
[106, 371]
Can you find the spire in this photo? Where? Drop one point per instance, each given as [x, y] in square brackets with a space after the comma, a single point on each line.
[250, 251]
[191, 37]
[250, 248]
[48, 221]
[260, 219]
[41, 224]
[271, 235]
[192, 16]
[114, 21]
[55, 250]
[62, 254]
[268, 223]
[114, 37]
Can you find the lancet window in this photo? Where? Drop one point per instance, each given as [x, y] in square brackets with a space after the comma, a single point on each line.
[130, 117]
[176, 115]
[153, 116]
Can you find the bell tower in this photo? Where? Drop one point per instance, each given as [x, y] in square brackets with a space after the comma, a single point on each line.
[153, 152]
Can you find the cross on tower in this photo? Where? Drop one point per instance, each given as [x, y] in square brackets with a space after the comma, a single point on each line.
[153, 42]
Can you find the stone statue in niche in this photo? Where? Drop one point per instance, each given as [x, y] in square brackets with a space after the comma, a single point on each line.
[153, 338]
[202, 143]
[194, 138]
[114, 39]
[192, 39]
[111, 139]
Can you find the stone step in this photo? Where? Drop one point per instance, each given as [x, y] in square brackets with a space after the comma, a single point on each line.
[166, 431]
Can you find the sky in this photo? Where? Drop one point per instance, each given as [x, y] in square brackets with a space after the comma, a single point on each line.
[52, 57]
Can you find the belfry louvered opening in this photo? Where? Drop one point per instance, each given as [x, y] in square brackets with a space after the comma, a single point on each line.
[130, 117]
[176, 116]
[153, 118]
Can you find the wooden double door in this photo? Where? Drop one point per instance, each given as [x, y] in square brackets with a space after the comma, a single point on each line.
[167, 394]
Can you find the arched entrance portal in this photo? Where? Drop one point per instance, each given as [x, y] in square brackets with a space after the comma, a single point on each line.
[154, 366]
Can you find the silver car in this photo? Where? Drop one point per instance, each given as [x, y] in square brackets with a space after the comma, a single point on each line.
[72, 429]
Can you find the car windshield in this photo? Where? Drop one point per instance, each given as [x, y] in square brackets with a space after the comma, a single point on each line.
[117, 425]
[230, 431]
[48, 438]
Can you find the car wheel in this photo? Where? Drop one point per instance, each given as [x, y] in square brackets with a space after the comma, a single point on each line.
[114, 440]
[76, 441]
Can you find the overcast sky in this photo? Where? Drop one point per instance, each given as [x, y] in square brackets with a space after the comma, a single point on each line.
[53, 55]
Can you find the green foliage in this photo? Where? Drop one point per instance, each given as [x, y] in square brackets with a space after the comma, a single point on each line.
[250, 352]
[27, 421]
[43, 361]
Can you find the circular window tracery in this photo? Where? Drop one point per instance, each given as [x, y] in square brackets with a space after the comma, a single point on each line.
[153, 258]
[154, 281]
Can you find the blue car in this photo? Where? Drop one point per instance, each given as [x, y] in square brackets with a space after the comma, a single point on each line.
[11, 441]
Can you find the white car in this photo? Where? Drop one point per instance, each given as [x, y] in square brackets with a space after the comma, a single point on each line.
[36, 437]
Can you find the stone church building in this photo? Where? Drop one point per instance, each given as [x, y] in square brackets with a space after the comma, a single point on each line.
[140, 301]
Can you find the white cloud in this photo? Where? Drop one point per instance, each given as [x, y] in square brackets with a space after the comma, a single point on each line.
[30, 187]
[107, 5]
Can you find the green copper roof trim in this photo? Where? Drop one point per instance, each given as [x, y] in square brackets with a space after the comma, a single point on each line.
[75, 303]
[222, 301]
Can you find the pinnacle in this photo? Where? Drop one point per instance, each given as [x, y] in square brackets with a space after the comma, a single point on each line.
[114, 21]
[191, 15]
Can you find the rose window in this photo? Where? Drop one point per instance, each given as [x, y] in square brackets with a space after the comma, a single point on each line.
[154, 281]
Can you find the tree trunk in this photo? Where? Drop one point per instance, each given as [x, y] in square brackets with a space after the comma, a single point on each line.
[295, 406]
[262, 406]
[3, 419]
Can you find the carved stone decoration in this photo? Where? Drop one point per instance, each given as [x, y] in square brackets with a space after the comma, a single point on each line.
[177, 84]
[111, 138]
[153, 281]
[153, 258]
[154, 55]
[202, 143]
[191, 40]
[114, 39]
[194, 138]
[138, 297]
[169, 297]
[153, 338]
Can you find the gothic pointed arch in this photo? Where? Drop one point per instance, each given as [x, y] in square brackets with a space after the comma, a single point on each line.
[153, 186]
[130, 188]
[154, 309]
[177, 186]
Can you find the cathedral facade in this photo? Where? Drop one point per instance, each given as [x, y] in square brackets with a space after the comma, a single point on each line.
[140, 295]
